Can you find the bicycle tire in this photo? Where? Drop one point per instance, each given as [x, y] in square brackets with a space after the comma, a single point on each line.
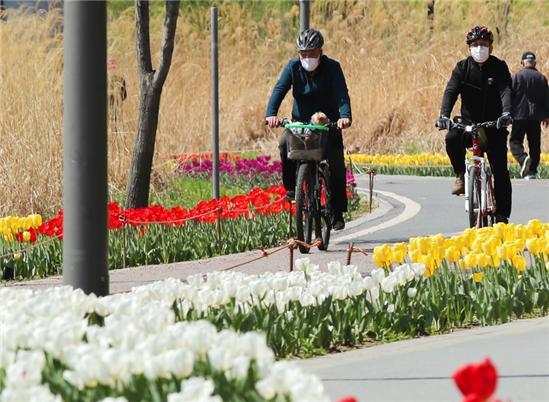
[323, 215]
[474, 196]
[491, 198]
[475, 189]
[304, 205]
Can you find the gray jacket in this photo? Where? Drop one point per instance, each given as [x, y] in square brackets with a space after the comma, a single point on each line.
[530, 95]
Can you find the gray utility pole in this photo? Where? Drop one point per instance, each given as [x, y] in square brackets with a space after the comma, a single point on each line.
[85, 147]
[215, 106]
[304, 13]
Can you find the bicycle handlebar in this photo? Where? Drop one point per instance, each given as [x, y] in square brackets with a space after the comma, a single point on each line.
[285, 121]
[474, 126]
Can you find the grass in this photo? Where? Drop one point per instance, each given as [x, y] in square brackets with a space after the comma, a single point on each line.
[396, 64]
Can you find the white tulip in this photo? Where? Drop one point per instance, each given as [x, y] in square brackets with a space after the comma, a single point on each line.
[418, 268]
[370, 283]
[388, 284]
[378, 275]
[412, 292]
[302, 264]
[334, 268]
[391, 308]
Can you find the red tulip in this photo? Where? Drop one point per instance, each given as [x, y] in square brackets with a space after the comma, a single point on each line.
[477, 382]
[348, 399]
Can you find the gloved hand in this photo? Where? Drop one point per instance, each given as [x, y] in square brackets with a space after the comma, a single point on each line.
[444, 123]
[504, 120]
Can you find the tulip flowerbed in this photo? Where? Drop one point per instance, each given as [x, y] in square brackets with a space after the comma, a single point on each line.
[148, 341]
[157, 235]
[65, 346]
[426, 164]
[259, 171]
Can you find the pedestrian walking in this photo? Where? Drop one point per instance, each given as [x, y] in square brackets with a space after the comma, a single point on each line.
[530, 94]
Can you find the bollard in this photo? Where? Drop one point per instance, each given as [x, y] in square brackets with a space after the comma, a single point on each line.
[349, 252]
[291, 257]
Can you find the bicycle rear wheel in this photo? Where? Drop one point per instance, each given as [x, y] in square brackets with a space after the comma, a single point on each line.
[304, 205]
[323, 216]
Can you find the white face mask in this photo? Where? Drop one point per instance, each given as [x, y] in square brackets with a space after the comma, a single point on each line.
[480, 53]
[310, 63]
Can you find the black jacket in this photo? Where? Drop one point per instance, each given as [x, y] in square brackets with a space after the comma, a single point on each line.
[485, 90]
[530, 95]
[326, 91]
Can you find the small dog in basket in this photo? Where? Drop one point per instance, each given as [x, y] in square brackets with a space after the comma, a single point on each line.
[319, 118]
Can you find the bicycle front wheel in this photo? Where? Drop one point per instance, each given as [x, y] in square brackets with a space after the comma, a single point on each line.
[475, 213]
[323, 216]
[304, 205]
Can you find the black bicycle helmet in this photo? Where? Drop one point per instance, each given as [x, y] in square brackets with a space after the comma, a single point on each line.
[309, 39]
[480, 32]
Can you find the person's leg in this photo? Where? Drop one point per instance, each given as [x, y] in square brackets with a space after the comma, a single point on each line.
[288, 166]
[517, 139]
[533, 134]
[455, 148]
[336, 161]
[497, 155]
[516, 143]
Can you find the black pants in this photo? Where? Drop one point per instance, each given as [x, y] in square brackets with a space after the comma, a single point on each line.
[532, 129]
[334, 155]
[457, 141]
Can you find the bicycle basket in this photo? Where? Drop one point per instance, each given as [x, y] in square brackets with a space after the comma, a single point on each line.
[306, 144]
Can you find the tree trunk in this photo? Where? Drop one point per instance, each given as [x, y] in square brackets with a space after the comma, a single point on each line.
[151, 85]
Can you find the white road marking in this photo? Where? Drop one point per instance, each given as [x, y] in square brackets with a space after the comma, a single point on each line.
[411, 209]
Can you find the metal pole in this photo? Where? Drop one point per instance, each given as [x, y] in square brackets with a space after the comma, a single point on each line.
[304, 12]
[85, 147]
[215, 106]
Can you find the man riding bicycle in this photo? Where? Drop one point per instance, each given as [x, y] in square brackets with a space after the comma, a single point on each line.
[484, 83]
[318, 85]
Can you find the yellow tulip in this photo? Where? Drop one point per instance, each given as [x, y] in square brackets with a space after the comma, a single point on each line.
[36, 220]
[470, 260]
[534, 245]
[424, 245]
[452, 254]
[519, 262]
[535, 226]
[17, 256]
[415, 255]
[483, 260]
[495, 261]
[26, 235]
[478, 276]
[438, 239]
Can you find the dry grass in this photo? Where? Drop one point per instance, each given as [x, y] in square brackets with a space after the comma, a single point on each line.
[396, 71]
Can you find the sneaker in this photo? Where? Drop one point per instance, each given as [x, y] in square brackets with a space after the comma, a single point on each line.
[502, 219]
[338, 222]
[458, 188]
[525, 167]
[530, 177]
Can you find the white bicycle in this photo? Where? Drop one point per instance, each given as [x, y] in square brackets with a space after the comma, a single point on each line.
[480, 200]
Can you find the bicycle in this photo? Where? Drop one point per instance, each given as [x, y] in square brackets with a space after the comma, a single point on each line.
[480, 200]
[313, 199]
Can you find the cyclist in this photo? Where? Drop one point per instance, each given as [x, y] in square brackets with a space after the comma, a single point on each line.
[318, 85]
[484, 83]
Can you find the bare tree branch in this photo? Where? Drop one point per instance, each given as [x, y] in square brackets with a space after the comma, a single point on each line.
[142, 36]
[168, 39]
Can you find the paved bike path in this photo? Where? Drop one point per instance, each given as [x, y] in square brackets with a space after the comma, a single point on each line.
[421, 369]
